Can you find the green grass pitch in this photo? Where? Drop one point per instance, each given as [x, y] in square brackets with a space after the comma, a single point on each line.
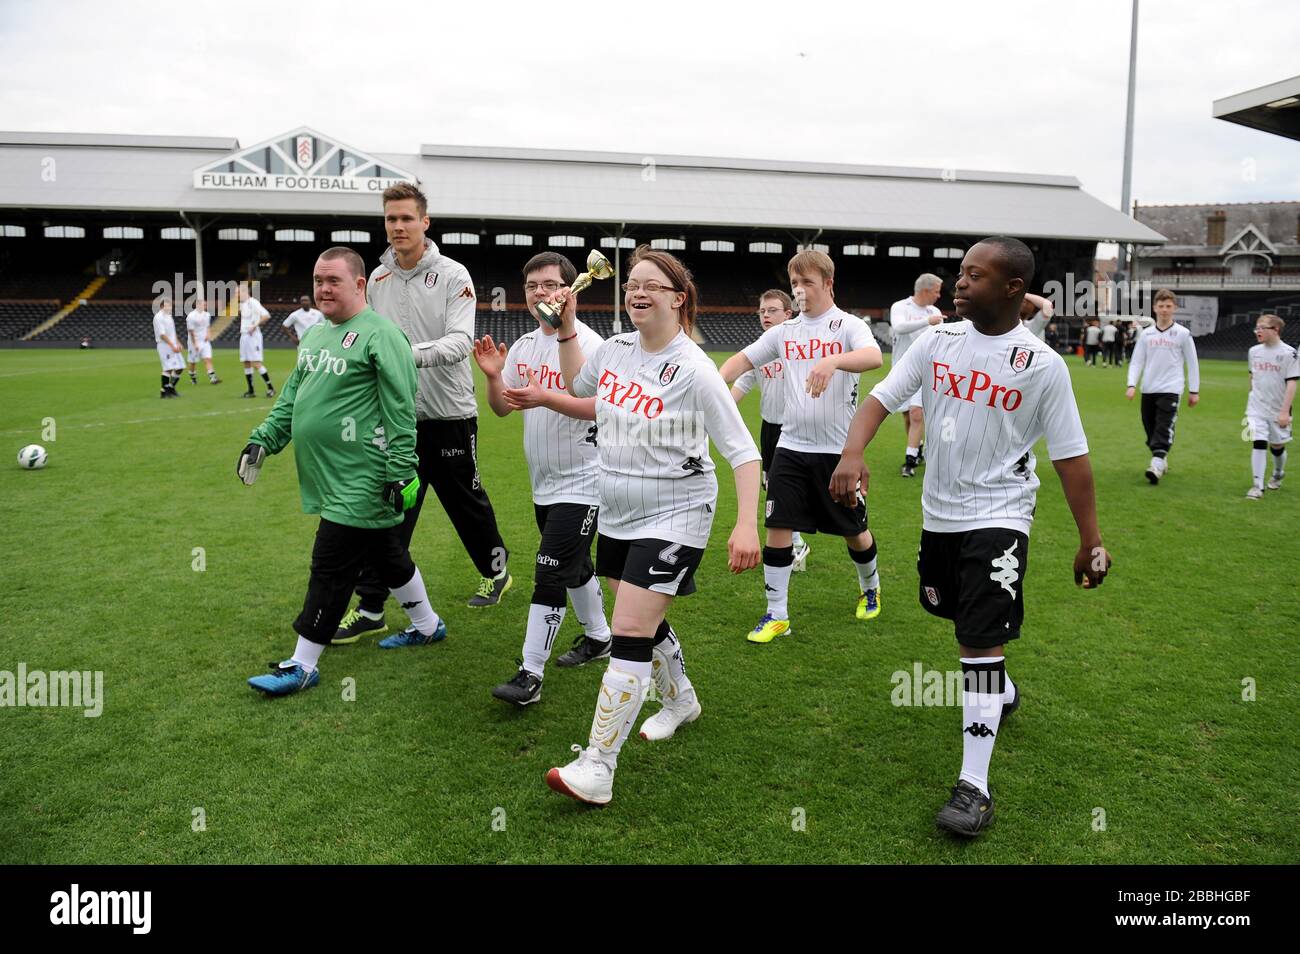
[1134, 743]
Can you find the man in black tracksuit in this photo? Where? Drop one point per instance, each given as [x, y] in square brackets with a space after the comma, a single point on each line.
[431, 298]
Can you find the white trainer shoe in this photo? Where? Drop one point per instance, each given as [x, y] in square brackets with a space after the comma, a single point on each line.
[1254, 493]
[664, 723]
[801, 556]
[1156, 469]
[1275, 482]
[588, 778]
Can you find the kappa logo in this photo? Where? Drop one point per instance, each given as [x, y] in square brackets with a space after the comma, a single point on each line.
[979, 730]
[466, 292]
[430, 279]
[667, 373]
[932, 595]
[1006, 567]
[411, 605]
[349, 339]
[1021, 358]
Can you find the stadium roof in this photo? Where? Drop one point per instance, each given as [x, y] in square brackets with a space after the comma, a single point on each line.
[1274, 108]
[300, 173]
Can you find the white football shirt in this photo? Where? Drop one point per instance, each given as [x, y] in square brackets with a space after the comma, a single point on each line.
[301, 319]
[198, 321]
[1158, 359]
[655, 413]
[563, 462]
[814, 425]
[164, 328]
[987, 400]
[907, 319]
[1270, 370]
[771, 389]
[250, 313]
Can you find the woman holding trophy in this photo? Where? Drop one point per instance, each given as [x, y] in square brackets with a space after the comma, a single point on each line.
[659, 399]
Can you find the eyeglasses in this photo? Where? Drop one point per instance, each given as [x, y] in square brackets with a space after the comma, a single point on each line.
[547, 286]
[650, 287]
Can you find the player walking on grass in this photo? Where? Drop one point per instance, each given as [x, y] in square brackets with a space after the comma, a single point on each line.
[774, 307]
[169, 349]
[659, 399]
[560, 447]
[1162, 350]
[1274, 369]
[198, 325]
[431, 298]
[349, 408]
[824, 350]
[997, 389]
[907, 319]
[302, 318]
[251, 318]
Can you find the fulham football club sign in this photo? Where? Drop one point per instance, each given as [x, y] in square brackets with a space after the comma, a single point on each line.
[300, 161]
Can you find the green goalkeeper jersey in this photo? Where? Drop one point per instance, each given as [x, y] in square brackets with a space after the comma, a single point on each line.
[349, 408]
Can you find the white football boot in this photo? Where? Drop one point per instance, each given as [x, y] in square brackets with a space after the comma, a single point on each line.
[1275, 482]
[590, 777]
[801, 556]
[680, 704]
[1254, 493]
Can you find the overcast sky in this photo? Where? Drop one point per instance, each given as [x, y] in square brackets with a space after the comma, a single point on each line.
[1000, 84]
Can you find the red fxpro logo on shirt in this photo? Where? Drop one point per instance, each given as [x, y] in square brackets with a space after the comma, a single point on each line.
[974, 386]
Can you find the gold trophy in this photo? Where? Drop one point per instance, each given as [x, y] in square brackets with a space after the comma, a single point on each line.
[597, 267]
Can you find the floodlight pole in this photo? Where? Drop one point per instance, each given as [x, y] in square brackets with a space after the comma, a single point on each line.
[1126, 197]
[618, 280]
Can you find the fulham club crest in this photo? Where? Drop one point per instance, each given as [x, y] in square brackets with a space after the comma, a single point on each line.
[1021, 358]
[932, 595]
[668, 372]
[430, 279]
[349, 338]
[835, 324]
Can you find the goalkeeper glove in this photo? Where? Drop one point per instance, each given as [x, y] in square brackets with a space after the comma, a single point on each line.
[250, 463]
[402, 494]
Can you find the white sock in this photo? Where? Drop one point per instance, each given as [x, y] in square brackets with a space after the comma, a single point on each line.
[543, 623]
[868, 578]
[1279, 463]
[589, 606]
[796, 539]
[1258, 464]
[415, 601]
[981, 714]
[776, 581]
[1008, 688]
[912, 451]
[307, 654]
[369, 615]
[621, 694]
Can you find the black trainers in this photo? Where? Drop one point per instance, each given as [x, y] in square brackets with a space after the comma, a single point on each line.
[909, 467]
[920, 453]
[248, 394]
[353, 626]
[1013, 705]
[524, 689]
[584, 650]
[967, 813]
[490, 591]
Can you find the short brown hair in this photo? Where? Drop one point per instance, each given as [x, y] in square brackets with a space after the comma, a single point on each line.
[809, 261]
[780, 296]
[677, 273]
[1273, 321]
[355, 264]
[1164, 294]
[568, 272]
[407, 190]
